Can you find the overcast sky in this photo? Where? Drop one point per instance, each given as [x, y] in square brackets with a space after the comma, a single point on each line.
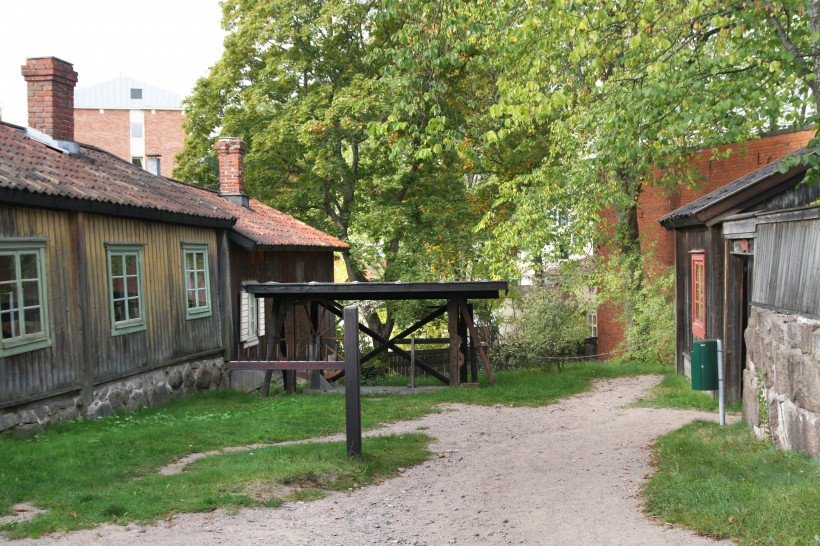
[165, 43]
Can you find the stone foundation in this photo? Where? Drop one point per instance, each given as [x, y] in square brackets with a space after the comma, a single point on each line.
[781, 382]
[149, 389]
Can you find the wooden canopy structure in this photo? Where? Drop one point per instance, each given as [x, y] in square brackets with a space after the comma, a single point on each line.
[320, 304]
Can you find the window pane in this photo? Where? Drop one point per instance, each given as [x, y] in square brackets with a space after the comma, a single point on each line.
[28, 266]
[203, 301]
[191, 280]
[134, 308]
[116, 266]
[200, 261]
[117, 288]
[133, 286]
[136, 130]
[32, 320]
[189, 261]
[131, 264]
[119, 310]
[31, 293]
[8, 269]
[200, 279]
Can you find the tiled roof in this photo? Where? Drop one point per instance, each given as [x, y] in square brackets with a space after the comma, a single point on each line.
[94, 179]
[34, 173]
[743, 183]
[265, 226]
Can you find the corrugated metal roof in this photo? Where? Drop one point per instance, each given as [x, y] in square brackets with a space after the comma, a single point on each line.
[694, 208]
[116, 95]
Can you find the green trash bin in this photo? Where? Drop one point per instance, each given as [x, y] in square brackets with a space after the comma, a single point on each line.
[705, 366]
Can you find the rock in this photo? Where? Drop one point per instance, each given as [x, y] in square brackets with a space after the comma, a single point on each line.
[117, 398]
[203, 378]
[175, 378]
[159, 396]
[100, 409]
[9, 421]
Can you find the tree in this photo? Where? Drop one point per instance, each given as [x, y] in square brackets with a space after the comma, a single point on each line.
[306, 85]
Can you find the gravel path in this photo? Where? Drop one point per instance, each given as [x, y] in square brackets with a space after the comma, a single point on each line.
[569, 473]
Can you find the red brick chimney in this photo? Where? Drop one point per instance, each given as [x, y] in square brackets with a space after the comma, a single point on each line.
[51, 84]
[231, 152]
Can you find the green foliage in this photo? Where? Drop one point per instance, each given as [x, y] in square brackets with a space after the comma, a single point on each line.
[675, 391]
[548, 322]
[724, 483]
[646, 292]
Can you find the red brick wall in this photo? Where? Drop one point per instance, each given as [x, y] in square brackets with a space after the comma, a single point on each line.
[165, 136]
[111, 131]
[654, 202]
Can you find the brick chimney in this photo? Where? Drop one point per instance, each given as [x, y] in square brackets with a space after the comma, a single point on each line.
[51, 84]
[231, 152]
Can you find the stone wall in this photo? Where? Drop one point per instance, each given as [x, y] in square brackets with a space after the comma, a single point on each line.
[781, 382]
[149, 389]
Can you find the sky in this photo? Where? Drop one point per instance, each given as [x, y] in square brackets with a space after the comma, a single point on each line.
[165, 43]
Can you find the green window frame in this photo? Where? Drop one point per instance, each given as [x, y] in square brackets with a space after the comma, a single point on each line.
[23, 297]
[125, 288]
[197, 281]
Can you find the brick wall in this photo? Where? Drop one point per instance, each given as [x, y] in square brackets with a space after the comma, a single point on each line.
[655, 201]
[111, 131]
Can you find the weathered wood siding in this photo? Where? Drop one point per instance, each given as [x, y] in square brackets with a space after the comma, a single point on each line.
[84, 352]
[787, 266]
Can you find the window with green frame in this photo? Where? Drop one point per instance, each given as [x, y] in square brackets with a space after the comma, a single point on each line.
[23, 296]
[126, 288]
[197, 281]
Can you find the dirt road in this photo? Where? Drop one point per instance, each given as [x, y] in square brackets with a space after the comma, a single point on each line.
[569, 473]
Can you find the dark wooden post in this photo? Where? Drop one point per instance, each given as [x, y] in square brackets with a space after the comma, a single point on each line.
[471, 350]
[353, 413]
[452, 328]
[314, 344]
[463, 348]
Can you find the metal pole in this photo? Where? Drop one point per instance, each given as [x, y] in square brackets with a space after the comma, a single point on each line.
[353, 408]
[412, 362]
[721, 390]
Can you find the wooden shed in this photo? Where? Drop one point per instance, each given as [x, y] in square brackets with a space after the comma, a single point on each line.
[715, 268]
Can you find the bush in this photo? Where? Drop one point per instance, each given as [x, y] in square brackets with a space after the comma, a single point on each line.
[549, 322]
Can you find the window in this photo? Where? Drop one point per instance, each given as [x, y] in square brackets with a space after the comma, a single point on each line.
[699, 294]
[125, 287]
[137, 161]
[136, 129]
[251, 319]
[136, 93]
[23, 307]
[197, 281]
[592, 321]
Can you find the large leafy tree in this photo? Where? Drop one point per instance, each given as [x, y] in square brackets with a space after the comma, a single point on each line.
[307, 86]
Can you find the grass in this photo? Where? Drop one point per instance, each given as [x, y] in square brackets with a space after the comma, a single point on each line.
[723, 482]
[675, 391]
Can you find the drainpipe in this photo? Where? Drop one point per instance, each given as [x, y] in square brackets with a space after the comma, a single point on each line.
[721, 389]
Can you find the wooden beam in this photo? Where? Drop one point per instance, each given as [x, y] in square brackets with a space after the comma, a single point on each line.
[274, 337]
[353, 408]
[380, 349]
[424, 366]
[468, 318]
[284, 365]
[452, 329]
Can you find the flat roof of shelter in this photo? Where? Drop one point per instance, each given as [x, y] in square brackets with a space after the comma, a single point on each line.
[381, 290]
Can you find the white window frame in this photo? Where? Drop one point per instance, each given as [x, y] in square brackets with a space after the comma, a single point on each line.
[23, 341]
[251, 319]
[197, 311]
[129, 324]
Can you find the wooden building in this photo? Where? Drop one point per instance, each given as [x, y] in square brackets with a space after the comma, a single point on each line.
[119, 288]
[715, 267]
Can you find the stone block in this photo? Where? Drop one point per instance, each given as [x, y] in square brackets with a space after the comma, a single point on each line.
[805, 382]
[815, 345]
[159, 396]
[189, 377]
[798, 429]
[136, 401]
[750, 393]
[9, 421]
[100, 409]
[203, 378]
[799, 335]
[175, 378]
[117, 398]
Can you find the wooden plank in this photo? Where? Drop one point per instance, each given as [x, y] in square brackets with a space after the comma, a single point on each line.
[284, 365]
[452, 329]
[274, 337]
[353, 408]
[429, 318]
[468, 318]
